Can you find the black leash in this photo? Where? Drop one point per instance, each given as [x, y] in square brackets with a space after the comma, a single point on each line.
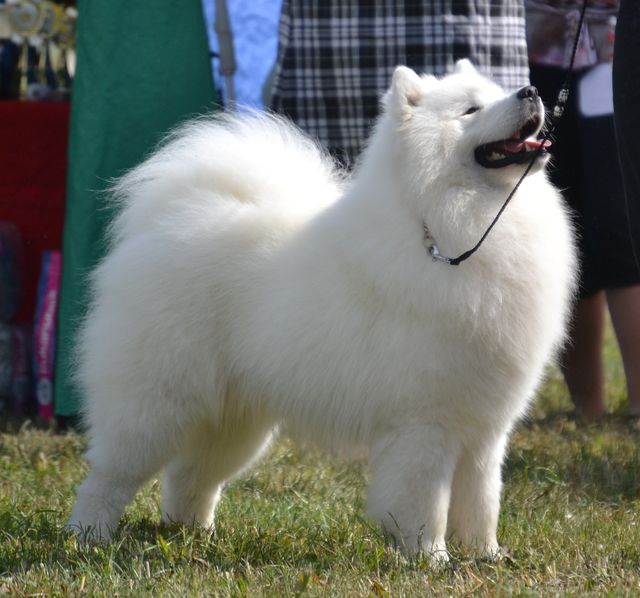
[558, 110]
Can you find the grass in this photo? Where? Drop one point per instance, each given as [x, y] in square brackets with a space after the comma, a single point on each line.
[294, 525]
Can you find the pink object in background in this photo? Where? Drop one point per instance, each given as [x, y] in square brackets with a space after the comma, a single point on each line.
[45, 329]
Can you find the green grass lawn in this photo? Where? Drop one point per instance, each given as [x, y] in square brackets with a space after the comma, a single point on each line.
[294, 525]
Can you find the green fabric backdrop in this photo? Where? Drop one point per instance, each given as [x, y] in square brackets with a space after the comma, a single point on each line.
[142, 67]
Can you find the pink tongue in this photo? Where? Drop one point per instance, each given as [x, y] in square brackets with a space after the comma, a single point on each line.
[535, 144]
[513, 146]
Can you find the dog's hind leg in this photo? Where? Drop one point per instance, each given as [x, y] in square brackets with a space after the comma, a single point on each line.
[122, 458]
[412, 470]
[194, 478]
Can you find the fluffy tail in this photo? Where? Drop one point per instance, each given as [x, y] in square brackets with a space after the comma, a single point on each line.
[250, 158]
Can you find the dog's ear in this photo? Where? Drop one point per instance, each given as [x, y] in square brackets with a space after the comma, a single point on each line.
[406, 88]
[464, 66]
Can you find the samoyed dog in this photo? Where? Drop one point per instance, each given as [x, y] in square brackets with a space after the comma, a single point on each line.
[251, 287]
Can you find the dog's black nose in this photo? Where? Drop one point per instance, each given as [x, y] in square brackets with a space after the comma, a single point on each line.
[529, 92]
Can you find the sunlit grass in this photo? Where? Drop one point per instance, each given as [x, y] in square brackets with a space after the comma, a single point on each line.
[295, 524]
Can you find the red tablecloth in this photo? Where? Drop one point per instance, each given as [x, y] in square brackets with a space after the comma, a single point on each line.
[33, 165]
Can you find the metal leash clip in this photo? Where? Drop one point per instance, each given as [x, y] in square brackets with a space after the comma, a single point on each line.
[432, 247]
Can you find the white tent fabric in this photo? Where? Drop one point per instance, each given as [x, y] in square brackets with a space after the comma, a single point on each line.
[254, 31]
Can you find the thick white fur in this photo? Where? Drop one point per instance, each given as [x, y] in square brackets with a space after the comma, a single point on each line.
[249, 287]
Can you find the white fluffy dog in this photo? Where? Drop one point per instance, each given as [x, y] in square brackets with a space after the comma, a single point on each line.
[249, 286]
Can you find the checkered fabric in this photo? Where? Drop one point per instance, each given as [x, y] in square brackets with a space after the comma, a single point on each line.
[336, 57]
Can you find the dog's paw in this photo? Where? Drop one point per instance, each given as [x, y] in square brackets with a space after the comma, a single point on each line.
[436, 554]
[438, 558]
[495, 553]
[89, 534]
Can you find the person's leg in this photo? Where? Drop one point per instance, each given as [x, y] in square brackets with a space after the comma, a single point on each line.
[624, 306]
[581, 362]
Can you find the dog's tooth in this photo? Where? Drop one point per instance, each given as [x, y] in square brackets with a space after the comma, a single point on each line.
[496, 156]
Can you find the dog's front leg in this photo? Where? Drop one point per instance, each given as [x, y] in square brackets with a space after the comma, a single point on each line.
[411, 474]
[475, 500]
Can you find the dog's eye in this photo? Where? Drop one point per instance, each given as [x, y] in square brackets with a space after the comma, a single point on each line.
[472, 110]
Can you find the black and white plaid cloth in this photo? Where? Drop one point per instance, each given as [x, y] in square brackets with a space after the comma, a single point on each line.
[336, 57]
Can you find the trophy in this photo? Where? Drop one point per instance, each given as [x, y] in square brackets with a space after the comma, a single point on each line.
[45, 33]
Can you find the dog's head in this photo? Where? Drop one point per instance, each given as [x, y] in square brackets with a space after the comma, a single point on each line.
[464, 128]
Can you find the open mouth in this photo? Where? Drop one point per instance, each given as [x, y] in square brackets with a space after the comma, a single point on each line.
[518, 148]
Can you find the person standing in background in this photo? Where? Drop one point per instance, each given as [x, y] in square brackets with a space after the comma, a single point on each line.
[626, 102]
[585, 167]
[336, 57]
